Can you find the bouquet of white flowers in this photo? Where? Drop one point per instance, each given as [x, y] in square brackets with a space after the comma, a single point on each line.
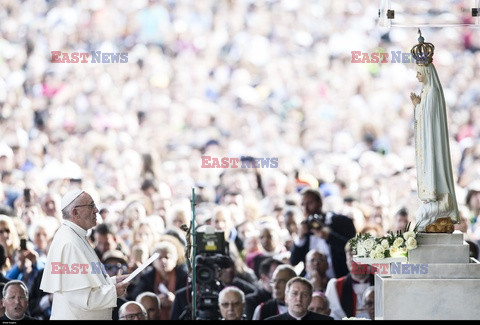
[392, 245]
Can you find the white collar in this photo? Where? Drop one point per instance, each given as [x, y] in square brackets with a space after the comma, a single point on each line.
[298, 318]
[79, 230]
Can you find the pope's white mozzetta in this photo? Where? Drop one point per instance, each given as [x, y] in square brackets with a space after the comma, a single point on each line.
[87, 293]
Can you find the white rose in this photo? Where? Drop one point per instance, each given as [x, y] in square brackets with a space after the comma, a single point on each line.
[379, 249]
[361, 251]
[398, 242]
[379, 255]
[384, 244]
[411, 243]
[368, 244]
[372, 254]
[402, 251]
[409, 234]
[394, 251]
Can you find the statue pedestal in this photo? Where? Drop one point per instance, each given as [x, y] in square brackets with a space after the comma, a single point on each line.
[439, 281]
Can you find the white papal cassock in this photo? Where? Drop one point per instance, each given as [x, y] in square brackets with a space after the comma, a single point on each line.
[91, 295]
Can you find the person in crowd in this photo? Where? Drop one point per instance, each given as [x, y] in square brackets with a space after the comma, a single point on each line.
[320, 303]
[39, 301]
[400, 220]
[26, 265]
[328, 233]
[15, 301]
[369, 301]
[50, 203]
[105, 239]
[42, 234]
[92, 295]
[151, 303]
[3, 278]
[298, 295]
[276, 305]
[345, 293]
[115, 264]
[264, 289]
[231, 301]
[228, 277]
[143, 234]
[132, 310]
[316, 269]
[9, 240]
[271, 245]
[164, 278]
[2, 309]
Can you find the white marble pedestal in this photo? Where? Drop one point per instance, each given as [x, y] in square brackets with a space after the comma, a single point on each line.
[449, 289]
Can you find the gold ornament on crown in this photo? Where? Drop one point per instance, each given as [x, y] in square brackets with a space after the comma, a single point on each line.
[423, 52]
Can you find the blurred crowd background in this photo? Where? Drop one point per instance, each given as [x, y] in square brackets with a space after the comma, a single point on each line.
[264, 78]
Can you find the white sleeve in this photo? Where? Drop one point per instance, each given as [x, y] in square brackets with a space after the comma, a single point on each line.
[92, 298]
[336, 308]
[45, 302]
[300, 242]
[256, 313]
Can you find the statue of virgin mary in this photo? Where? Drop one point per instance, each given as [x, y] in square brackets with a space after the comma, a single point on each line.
[439, 210]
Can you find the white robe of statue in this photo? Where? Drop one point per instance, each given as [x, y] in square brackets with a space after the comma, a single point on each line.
[77, 296]
[432, 151]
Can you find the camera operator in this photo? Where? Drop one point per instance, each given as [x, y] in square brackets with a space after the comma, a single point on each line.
[215, 270]
[208, 287]
[327, 232]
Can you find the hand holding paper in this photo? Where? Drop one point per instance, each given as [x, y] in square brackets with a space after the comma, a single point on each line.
[141, 267]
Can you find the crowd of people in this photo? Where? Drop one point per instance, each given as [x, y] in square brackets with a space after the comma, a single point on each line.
[224, 79]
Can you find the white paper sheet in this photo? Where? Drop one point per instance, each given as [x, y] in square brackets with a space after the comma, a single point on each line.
[141, 267]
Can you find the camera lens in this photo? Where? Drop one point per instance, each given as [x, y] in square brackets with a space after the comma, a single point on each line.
[205, 274]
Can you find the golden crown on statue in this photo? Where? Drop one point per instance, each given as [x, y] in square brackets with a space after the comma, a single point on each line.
[423, 52]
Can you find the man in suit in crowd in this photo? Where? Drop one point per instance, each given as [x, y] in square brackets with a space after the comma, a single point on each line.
[276, 305]
[298, 295]
[264, 290]
[327, 232]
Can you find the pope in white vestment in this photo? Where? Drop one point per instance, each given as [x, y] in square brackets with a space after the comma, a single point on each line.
[73, 272]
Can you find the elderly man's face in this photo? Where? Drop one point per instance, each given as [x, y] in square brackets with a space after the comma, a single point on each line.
[319, 305]
[133, 312]
[152, 307]
[231, 306]
[86, 212]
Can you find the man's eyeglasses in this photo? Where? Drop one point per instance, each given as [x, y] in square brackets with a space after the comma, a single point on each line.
[228, 304]
[134, 316]
[7, 231]
[91, 205]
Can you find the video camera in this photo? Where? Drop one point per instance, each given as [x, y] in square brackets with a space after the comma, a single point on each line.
[212, 256]
[315, 221]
